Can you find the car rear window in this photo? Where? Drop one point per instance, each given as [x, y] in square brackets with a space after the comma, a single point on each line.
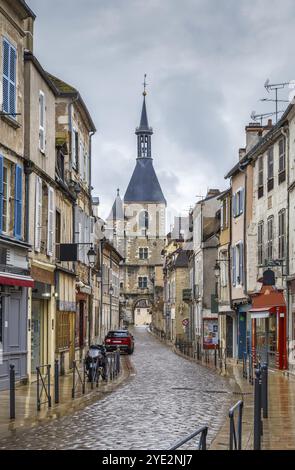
[118, 334]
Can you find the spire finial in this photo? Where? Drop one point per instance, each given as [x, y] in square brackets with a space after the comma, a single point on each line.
[118, 192]
[144, 86]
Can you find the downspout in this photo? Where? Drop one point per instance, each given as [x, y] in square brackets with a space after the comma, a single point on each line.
[285, 133]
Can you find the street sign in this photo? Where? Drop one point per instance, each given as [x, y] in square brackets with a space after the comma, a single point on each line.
[185, 322]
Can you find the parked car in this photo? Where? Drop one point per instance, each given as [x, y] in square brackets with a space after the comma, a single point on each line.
[119, 338]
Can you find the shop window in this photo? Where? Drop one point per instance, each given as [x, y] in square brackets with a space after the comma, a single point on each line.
[282, 234]
[260, 243]
[63, 330]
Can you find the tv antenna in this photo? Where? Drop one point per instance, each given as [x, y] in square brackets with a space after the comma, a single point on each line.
[275, 87]
[256, 117]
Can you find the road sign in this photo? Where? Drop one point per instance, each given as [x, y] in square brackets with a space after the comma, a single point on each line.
[185, 322]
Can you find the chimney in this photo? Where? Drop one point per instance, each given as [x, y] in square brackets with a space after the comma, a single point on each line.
[253, 135]
[212, 193]
[29, 30]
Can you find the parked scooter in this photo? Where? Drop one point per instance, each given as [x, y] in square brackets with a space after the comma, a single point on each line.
[96, 363]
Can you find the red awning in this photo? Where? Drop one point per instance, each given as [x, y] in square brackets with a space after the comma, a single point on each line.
[8, 279]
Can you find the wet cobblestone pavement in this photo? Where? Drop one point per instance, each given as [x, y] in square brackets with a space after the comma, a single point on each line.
[168, 398]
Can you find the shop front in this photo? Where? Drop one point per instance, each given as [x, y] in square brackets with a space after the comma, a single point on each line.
[269, 324]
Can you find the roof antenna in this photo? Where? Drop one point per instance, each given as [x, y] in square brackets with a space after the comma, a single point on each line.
[275, 87]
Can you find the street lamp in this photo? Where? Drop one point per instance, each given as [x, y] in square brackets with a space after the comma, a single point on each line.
[91, 257]
[111, 290]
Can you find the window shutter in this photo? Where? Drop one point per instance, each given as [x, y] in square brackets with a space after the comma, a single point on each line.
[50, 225]
[233, 265]
[81, 160]
[1, 193]
[221, 216]
[42, 120]
[18, 201]
[38, 213]
[241, 263]
[74, 150]
[12, 91]
[242, 201]
[234, 204]
[5, 80]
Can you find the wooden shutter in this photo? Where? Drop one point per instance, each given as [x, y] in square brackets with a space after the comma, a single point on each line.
[9, 78]
[38, 213]
[242, 201]
[233, 265]
[241, 263]
[234, 203]
[18, 201]
[81, 160]
[50, 225]
[42, 120]
[5, 79]
[1, 193]
[221, 215]
[74, 149]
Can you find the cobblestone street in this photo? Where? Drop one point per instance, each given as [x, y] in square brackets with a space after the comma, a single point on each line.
[168, 398]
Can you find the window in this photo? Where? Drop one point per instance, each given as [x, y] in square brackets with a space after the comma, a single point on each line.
[11, 193]
[260, 242]
[238, 203]
[42, 120]
[239, 263]
[270, 169]
[144, 220]
[38, 213]
[143, 253]
[282, 234]
[142, 282]
[270, 238]
[282, 160]
[9, 78]
[260, 176]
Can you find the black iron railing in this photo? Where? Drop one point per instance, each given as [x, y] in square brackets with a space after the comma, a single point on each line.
[79, 375]
[201, 445]
[235, 429]
[43, 386]
[114, 364]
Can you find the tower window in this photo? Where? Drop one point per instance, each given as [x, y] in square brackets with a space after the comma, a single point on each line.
[142, 282]
[144, 220]
[143, 253]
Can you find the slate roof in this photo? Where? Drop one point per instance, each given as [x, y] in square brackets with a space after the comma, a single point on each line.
[144, 185]
[117, 211]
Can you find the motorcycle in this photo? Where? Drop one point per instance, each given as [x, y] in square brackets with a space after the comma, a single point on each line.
[96, 363]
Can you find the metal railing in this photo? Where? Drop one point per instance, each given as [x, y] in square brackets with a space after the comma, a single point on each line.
[235, 432]
[78, 377]
[202, 445]
[114, 364]
[43, 386]
[248, 367]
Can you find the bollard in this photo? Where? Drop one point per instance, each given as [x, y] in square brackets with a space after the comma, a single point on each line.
[257, 410]
[56, 381]
[84, 376]
[92, 373]
[74, 379]
[12, 391]
[215, 358]
[264, 389]
[49, 391]
[38, 389]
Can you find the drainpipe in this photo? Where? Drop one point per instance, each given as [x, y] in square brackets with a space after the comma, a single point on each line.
[285, 133]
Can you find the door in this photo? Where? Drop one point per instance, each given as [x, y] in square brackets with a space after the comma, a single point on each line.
[229, 336]
[242, 343]
[36, 335]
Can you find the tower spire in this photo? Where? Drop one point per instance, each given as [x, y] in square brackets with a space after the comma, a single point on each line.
[144, 132]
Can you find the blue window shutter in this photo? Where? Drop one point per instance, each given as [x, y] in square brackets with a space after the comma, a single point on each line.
[241, 263]
[5, 79]
[1, 193]
[12, 91]
[18, 203]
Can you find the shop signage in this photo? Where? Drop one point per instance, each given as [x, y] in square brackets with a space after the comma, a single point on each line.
[210, 333]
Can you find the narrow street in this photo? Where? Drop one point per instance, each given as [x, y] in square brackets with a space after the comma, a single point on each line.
[168, 398]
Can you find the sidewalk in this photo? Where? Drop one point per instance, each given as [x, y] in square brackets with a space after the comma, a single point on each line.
[27, 415]
[278, 428]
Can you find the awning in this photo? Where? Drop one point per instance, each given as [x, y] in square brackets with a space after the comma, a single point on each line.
[259, 313]
[8, 279]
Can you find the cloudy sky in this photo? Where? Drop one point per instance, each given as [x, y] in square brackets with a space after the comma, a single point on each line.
[206, 61]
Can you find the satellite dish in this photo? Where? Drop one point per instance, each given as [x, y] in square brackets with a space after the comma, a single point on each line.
[266, 84]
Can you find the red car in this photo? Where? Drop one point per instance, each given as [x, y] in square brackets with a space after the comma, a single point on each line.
[119, 338]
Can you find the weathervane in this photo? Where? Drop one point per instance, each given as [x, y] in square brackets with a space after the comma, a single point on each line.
[144, 86]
